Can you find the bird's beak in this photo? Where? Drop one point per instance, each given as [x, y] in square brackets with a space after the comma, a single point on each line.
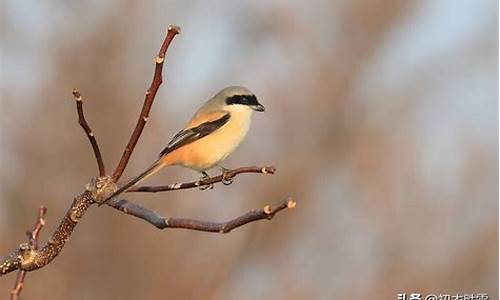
[258, 107]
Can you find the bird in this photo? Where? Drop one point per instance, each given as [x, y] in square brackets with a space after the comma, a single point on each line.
[214, 132]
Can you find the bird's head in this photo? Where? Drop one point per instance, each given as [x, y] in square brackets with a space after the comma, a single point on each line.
[241, 97]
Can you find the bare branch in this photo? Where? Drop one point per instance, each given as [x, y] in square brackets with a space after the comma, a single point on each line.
[226, 177]
[33, 245]
[88, 132]
[28, 259]
[148, 102]
[160, 222]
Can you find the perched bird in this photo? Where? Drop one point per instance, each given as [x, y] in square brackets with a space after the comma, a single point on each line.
[214, 132]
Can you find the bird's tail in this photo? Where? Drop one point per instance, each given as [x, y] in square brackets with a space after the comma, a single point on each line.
[155, 167]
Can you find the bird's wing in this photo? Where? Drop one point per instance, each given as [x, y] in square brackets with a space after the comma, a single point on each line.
[191, 134]
[203, 117]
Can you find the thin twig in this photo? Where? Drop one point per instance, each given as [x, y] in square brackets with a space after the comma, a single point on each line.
[160, 222]
[148, 102]
[225, 177]
[18, 286]
[88, 132]
[33, 245]
[33, 234]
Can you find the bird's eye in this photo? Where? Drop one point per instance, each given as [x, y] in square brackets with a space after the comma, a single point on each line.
[240, 99]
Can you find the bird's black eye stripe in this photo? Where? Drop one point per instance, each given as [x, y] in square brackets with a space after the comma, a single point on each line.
[242, 99]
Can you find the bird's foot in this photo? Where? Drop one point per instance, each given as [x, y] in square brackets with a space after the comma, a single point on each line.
[205, 176]
[227, 178]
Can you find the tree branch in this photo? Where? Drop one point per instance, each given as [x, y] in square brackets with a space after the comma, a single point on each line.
[160, 222]
[27, 259]
[32, 245]
[88, 132]
[226, 177]
[148, 102]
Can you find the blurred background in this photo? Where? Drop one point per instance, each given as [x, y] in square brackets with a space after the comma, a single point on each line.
[381, 119]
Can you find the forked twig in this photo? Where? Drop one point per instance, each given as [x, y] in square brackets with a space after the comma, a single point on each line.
[32, 245]
[27, 259]
[160, 222]
[148, 102]
[88, 132]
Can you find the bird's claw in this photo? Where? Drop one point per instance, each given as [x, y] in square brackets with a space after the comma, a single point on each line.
[206, 186]
[227, 179]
